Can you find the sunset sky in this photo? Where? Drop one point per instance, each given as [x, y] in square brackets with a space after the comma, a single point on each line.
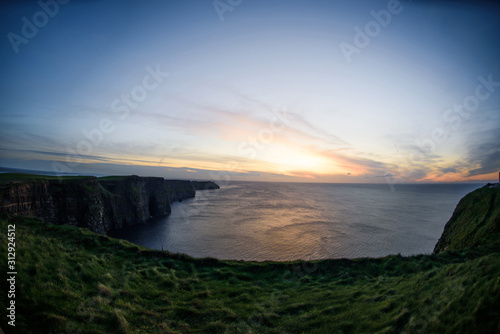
[280, 90]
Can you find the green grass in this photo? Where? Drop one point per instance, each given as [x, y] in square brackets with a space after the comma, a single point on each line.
[6, 178]
[114, 178]
[71, 280]
[475, 221]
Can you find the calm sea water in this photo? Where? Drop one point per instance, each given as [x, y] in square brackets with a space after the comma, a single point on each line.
[288, 221]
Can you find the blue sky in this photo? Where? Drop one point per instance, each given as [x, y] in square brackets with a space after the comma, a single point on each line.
[314, 91]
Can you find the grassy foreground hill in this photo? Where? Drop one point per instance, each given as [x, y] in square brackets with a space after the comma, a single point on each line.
[71, 280]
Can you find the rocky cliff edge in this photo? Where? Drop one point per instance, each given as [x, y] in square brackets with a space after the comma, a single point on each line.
[99, 204]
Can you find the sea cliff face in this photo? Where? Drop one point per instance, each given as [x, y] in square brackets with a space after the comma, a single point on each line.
[99, 204]
[475, 221]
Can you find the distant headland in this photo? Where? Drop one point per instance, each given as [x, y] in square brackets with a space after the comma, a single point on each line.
[99, 204]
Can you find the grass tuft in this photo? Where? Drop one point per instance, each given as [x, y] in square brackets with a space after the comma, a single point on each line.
[121, 322]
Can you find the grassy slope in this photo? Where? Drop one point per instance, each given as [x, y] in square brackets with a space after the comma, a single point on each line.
[475, 221]
[72, 280]
[6, 178]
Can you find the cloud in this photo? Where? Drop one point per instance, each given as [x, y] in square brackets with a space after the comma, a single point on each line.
[73, 159]
[287, 127]
[489, 163]
[484, 152]
[248, 117]
[418, 173]
[359, 164]
[448, 170]
[299, 121]
[303, 174]
[386, 175]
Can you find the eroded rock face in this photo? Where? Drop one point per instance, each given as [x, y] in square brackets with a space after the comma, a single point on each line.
[31, 199]
[78, 202]
[97, 204]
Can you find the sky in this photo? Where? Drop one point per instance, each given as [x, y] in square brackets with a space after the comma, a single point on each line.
[277, 90]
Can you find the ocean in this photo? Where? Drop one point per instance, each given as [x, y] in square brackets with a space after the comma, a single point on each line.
[257, 221]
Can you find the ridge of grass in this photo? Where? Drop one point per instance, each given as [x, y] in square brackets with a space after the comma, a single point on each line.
[6, 178]
[73, 280]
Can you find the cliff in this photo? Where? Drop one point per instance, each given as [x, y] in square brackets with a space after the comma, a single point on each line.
[204, 185]
[71, 280]
[99, 204]
[475, 222]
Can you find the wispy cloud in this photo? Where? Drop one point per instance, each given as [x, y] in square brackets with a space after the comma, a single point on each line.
[448, 170]
[485, 153]
[72, 159]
